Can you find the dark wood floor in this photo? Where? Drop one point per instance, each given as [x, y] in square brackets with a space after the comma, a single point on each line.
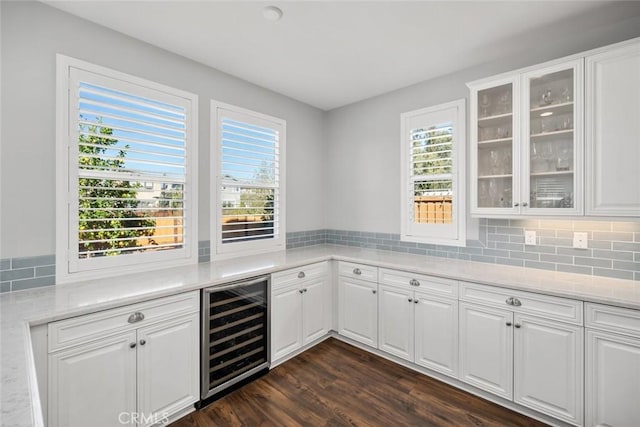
[336, 384]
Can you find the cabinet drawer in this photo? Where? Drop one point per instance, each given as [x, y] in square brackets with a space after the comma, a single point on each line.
[285, 278]
[419, 282]
[77, 330]
[563, 309]
[615, 319]
[358, 271]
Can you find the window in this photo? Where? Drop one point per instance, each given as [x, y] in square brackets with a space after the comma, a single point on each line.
[248, 160]
[433, 165]
[125, 190]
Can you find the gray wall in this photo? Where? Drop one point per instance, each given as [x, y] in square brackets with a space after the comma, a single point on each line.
[32, 33]
[362, 138]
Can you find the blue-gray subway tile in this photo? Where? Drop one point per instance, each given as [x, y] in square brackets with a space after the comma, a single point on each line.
[49, 270]
[540, 249]
[558, 259]
[204, 258]
[491, 245]
[626, 226]
[556, 241]
[574, 252]
[482, 258]
[556, 224]
[631, 247]
[495, 252]
[470, 251]
[491, 229]
[617, 274]
[540, 265]
[543, 232]
[524, 255]
[510, 261]
[597, 244]
[5, 264]
[399, 249]
[524, 223]
[437, 253]
[593, 226]
[516, 239]
[23, 273]
[483, 221]
[568, 268]
[417, 251]
[593, 262]
[446, 248]
[498, 238]
[465, 257]
[619, 255]
[510, 230]
[510, 246]
[636, 275]
[613, 236]
[636, 237]
[38, 282]
[205, 243]
[564, 234]
[426, 246]
[626, 265]
[383, 247]
[474, 244]
[32, 261]
[498, 222]
[5, 287]
[383, 236]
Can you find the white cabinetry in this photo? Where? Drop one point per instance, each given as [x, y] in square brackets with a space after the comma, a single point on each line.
[612, 129]
[358, 302]
[418, 319]
[300, 308]
[525, 347]
[612, 366]
[526, 139]
[138, 362]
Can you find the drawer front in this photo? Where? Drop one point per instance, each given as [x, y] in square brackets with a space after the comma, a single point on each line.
[77, 330]
[358, 271]
[419, 282]
[283, 279]
[614, 319]
[563, 309]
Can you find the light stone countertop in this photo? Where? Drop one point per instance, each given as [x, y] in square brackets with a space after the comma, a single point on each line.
[19, 403]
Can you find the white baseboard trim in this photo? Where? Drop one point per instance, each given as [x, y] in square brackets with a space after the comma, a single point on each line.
[299, 351]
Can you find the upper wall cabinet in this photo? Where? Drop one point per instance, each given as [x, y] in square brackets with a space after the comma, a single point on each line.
[526, 142]
[613, 131]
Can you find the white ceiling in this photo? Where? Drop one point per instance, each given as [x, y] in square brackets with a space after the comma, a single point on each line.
[329, 54]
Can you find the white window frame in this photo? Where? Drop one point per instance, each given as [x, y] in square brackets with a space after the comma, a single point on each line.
[71, 270]
[455, 233]
[230, 250]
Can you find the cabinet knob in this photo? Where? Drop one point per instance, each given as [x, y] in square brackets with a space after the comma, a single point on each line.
[516, 302]
[301, 290]
[410, 299]
[525, 204]
[304, 290]
[136, 317]
[143, 342]
[414, 282]
[301, 275]
[357, 271]
[516, 205]
[132, 345]
[374, 291]
[509, 301]
[508, 323]
[415, 301]
[517, 325]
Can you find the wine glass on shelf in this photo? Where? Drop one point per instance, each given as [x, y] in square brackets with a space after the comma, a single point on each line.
[485, 103]
[546, 98]
[494, 161]
[503, 101]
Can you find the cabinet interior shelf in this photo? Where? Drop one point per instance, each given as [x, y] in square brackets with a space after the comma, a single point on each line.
[494, 176]
[494, 142]
[552, 173]
[563, 108]
[554, 133]
[491, 120]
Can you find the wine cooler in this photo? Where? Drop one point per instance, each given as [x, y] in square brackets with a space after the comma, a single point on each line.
[235, 333]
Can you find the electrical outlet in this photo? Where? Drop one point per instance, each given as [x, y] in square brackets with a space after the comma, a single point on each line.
[529, 237]
[580, 240]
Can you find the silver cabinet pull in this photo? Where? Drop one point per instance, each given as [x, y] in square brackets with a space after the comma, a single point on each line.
[410, 299]
[136, 317]
[301, 275]
[374, 291]
[132, 345]
[509, 301]
[517, 325]
[525, 204]
[143, 342]
[415, 301]
[508, 323]
[516, 204]
[301, 290]
[414, 282]
[357, 271]
[516, 302]
[304, 290]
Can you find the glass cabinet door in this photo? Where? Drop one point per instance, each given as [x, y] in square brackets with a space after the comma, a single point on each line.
[495, 155]
[552, 97]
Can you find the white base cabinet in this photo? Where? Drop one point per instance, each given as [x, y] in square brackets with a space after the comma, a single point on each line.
[358, 310]
[300, 308]
[436, 334]
[396, 321]
[122, 367]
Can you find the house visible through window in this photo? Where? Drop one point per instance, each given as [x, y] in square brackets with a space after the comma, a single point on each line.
[129, 146]
[249, 207]
[433, 174]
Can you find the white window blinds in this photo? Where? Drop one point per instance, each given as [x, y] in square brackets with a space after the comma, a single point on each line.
[250, 181]
[129, 180]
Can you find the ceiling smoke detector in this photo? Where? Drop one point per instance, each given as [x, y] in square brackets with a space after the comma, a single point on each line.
[272, 13]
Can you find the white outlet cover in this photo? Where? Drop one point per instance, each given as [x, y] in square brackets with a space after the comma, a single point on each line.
[529, 237]
[580, 240]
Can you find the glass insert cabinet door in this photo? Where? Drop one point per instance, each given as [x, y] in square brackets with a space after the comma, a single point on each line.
[495, 133]
[552, 110]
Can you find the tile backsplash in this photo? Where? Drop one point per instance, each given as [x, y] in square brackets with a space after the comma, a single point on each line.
[613, 249]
